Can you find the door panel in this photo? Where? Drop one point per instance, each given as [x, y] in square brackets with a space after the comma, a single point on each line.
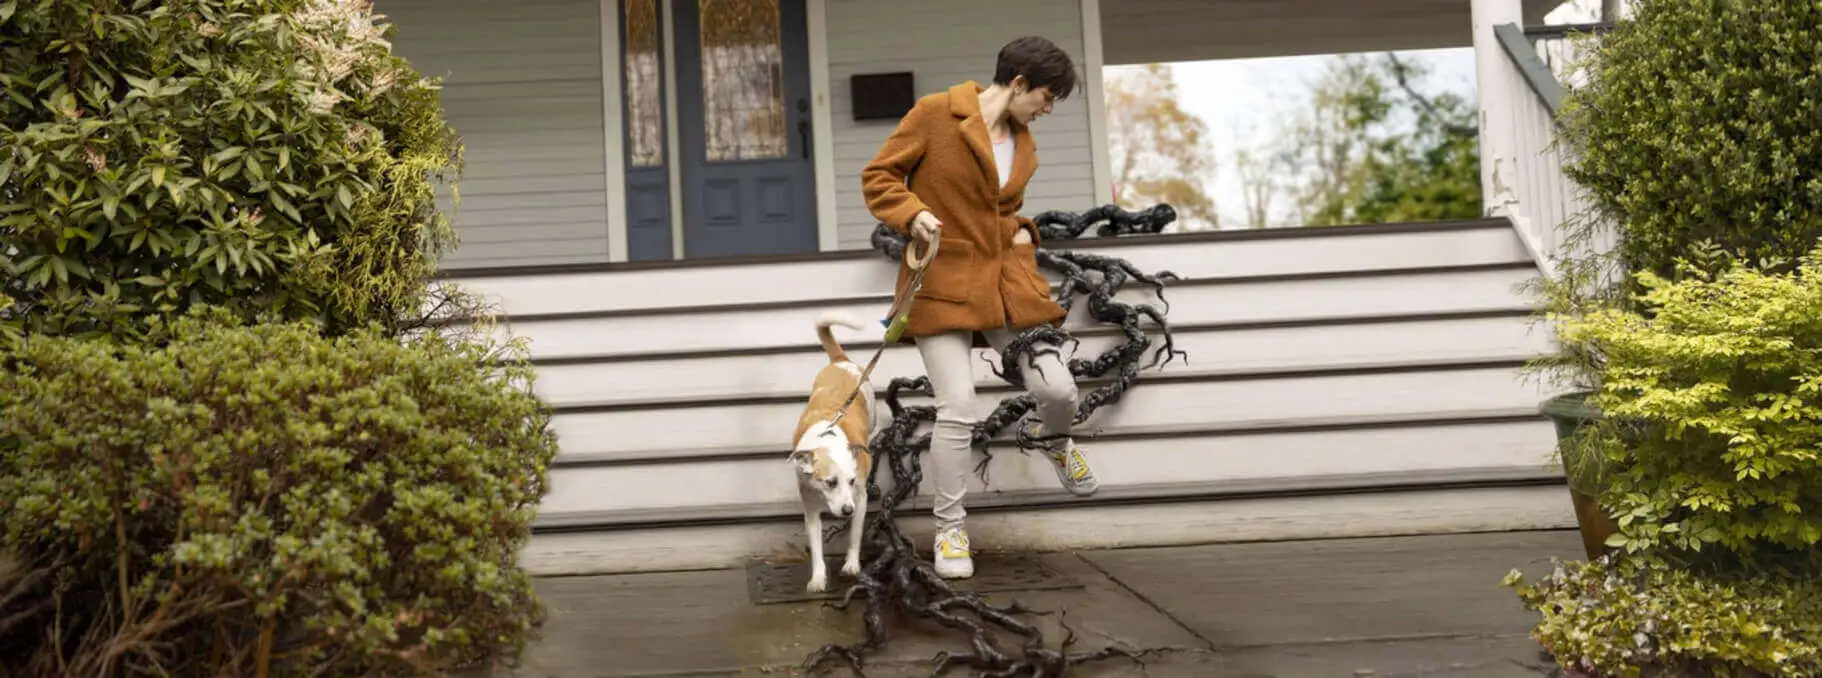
[648, 189]
[743, 91]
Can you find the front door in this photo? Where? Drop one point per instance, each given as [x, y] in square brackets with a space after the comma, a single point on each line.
[743, 127]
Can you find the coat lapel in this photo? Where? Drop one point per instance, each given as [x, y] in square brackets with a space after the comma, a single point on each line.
[965, 103]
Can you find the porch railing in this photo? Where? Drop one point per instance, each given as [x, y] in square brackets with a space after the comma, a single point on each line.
[1529, 185]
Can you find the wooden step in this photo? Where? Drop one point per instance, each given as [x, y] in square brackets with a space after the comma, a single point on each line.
[1318, 342]
[864, 274]
[1315, 299]
[641, 453]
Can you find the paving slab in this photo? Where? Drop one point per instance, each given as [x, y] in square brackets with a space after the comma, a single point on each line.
[1282, 593]
[1510, 657]
[704, 623]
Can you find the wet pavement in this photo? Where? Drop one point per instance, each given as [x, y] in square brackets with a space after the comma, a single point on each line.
[1395, 606]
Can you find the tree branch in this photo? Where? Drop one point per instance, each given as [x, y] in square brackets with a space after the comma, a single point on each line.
[1401, 72]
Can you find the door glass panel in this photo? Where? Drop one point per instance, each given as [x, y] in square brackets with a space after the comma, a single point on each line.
[644, 85]
[742, 80]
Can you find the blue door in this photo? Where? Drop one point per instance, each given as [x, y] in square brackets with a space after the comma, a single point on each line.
[743, 127]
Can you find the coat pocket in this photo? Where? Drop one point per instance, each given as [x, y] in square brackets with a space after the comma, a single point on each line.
[1025, 265]
[951, 274]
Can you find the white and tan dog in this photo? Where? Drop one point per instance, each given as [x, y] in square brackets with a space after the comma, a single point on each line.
[831, 457]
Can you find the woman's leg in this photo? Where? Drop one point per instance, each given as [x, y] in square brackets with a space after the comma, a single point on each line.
[1048, 380]
[947, 361]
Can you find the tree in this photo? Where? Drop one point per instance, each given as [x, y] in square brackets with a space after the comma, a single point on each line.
[1262, 167]
[1159, 151]
[1372, 148]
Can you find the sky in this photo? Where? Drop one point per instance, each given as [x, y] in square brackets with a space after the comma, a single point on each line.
[1244, 98]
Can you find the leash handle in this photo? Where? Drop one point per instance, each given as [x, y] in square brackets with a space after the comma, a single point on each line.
[911, 258]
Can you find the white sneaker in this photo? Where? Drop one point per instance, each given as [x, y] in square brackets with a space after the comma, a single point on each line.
[1071, 467]
[952, 557]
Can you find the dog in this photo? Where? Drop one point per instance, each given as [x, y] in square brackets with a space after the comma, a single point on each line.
[830, 457]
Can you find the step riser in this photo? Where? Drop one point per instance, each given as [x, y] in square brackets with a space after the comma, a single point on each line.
[628, 434]
[1274, 301]
[1249, 349]
[1129, 464]
[1318, 517]
[1461, 244]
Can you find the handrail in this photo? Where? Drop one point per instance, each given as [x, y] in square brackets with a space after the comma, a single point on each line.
[1558, 31]
[1528, 181]
[1536, 73]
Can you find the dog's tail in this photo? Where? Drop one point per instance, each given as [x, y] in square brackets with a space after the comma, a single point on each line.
[829, 345]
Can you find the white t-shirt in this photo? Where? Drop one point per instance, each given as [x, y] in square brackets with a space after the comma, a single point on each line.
[1002, 159]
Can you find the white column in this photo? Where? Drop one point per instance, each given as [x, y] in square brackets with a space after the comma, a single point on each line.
[1101, 159]
[615, 165]
[1498, 84]
[822, 127]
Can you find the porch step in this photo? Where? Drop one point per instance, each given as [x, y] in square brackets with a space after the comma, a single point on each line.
[1176, 398]
[1199, 301]
[669, 287]
[1220, 347]
[1323, 362]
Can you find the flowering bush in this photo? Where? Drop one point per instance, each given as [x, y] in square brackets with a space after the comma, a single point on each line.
[267, 156]
[1642, 617]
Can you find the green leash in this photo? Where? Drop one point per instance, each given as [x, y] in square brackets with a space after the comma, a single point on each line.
[897, 319]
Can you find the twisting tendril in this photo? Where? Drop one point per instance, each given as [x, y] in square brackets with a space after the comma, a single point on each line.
[895, 578]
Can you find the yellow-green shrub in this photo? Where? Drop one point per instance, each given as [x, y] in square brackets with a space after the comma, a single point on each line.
[248, 496]
[1719, 381]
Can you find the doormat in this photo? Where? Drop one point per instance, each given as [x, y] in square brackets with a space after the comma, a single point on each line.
[769, 583]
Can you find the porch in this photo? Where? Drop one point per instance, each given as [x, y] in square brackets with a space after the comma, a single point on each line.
[604, 131]
[1342, 381]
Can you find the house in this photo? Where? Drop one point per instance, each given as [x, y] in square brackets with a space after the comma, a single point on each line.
[662, 194]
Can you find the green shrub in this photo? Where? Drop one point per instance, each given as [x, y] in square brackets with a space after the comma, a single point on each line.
[1640, 617]
[267, 156]
[1719, 383]
[254, 494]
[9, 327]
[1698, 131]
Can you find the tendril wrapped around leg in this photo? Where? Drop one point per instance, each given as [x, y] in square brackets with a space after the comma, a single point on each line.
[897, 578]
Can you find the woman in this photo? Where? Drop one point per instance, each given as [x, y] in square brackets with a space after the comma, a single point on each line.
[956, 170]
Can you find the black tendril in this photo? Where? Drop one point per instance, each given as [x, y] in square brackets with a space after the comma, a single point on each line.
[895, 578]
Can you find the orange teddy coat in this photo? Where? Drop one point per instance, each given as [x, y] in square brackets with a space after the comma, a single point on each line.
[940, 159]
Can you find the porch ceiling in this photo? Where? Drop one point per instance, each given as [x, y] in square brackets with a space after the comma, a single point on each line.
[1147, 31]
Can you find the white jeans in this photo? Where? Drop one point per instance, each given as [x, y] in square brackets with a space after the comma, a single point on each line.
[948, 360]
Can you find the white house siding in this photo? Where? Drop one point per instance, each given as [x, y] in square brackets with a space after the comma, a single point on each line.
[523, 89]
[944, 42]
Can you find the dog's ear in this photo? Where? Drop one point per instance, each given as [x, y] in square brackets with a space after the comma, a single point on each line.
[804, 460]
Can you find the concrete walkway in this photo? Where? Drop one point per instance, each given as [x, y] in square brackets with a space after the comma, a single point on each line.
[1399, 606]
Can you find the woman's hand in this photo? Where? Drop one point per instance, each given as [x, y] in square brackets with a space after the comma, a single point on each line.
[1021, 236]
[926, 226]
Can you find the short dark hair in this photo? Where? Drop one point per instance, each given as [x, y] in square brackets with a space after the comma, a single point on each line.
[1041, 61]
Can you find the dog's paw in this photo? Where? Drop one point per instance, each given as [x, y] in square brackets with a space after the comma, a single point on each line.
[819, 582]
[851, 567]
